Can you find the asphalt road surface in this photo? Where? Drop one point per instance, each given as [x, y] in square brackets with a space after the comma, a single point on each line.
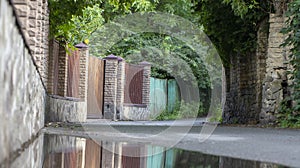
[281, 146]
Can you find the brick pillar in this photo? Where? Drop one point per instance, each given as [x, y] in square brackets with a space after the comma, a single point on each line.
[51, 67]
[62, 71]
[146, 83]
[110, 87]
[84, 54]
[120, 87]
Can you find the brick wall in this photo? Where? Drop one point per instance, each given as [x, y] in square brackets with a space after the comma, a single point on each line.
[34, 19]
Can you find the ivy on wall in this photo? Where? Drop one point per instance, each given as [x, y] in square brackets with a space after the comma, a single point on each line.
[290, 109]
[232, 25]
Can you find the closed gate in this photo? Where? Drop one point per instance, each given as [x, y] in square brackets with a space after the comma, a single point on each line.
[133, 84]
[95, 88]
[73, 74]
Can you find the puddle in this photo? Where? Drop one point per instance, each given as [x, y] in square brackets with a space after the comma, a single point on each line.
[71, 152]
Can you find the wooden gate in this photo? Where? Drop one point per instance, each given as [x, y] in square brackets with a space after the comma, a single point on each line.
[133, 84]
[73, 74]
[95, 88]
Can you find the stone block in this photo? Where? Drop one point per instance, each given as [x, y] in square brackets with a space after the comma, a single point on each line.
[66, 110]
[135, 113]
[23, 99]
[276, 85]
[22, 10]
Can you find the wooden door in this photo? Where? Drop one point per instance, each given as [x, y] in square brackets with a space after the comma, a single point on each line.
[95, 88]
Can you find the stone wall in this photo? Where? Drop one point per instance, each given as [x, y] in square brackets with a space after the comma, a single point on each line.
[257, 83]
[32, 156]
[244, 79]
[275, 86]
[22, 104]
[261, 55]
[62, 109]
[241, 104]
[135, 112]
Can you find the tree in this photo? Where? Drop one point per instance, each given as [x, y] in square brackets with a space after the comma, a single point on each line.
[71, 21]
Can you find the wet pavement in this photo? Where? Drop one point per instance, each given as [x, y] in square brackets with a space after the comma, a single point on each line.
[281, 146]
[146, 144]
[81, 152]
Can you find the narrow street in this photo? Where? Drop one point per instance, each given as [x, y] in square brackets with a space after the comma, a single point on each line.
[260, 144]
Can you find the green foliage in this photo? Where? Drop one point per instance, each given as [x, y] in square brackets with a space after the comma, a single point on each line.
[290, 114]
[62, 11]
[166, 50]
[232, 25]
[216, 114]
[80, 27]
[183, 111]
[241, 7]
[286, 116]
[71, 21]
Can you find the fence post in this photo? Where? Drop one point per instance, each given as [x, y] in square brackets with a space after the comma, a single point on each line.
[83, 69]
[120, 87]
[110, 86]
[53, 67]
[146, 83]
[62, 71]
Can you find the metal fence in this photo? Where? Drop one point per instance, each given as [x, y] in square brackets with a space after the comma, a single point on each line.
[133, 84]
[164, 94]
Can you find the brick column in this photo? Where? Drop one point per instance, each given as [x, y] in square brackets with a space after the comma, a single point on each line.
[110, 87]
[146, 82]
[62, 71]
[120, 87]
[84, 54]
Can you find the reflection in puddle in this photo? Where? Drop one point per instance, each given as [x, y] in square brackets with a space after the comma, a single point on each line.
[74, 152]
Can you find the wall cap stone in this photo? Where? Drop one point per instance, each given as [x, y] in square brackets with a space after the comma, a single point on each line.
[110, 57]
[81, 45]
[120, 59]
[135, 105]
[66, 98]
[145, 63]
